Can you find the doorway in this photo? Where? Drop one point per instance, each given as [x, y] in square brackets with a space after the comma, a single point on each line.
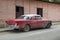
[40, 11]
[19, 11]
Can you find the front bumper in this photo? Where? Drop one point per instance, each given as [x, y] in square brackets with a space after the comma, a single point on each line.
[11, 27]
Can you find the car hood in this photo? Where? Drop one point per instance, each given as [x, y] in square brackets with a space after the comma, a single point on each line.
[13, 21]
[16, 19]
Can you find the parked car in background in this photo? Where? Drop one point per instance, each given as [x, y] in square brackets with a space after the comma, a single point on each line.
[27, 22]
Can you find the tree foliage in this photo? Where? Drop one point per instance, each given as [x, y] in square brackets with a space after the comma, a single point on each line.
[57, 1]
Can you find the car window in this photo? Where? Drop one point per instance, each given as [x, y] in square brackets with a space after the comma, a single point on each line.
[38, 17]
[24, 17]
[20, 17]
[33, 18]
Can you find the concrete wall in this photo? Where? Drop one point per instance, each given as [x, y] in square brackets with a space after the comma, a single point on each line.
[50, 10]
[54, 12]
[7, 10]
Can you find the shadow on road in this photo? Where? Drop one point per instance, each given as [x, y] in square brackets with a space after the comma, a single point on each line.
[17, 31]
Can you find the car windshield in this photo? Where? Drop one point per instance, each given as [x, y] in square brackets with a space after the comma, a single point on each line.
[24, 17]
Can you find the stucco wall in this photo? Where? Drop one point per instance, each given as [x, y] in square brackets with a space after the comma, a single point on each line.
[50, 10]
[7, 10]
[54, 12]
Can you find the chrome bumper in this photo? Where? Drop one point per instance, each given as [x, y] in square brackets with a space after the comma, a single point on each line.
[11, 27]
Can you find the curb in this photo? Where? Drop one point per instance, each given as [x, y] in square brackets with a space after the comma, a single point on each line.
[3, 29]
[55, 23]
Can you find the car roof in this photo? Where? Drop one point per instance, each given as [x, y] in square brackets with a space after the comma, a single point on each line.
[31, 15]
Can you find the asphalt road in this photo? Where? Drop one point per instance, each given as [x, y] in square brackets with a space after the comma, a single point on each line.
[41, 34]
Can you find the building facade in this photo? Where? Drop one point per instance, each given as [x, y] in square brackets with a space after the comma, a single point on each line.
[11, 9]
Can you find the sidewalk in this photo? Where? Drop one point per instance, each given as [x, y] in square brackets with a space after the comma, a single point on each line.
[56, 23]
[3, 29]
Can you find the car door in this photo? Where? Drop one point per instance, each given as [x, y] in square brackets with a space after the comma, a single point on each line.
[42, 23]
[34, 22]
[39, 22]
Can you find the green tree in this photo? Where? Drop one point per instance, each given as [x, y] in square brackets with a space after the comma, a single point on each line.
[58, 1]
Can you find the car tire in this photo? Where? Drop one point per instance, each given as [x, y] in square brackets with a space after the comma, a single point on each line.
[26, 28]
[48, 25]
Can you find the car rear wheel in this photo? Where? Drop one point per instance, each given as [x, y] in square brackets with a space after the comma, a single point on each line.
[26, 28]
[48, 25]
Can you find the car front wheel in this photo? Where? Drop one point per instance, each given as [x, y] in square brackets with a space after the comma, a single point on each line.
[26, 28]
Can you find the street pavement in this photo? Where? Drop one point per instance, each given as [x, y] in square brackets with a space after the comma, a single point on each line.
[40, 34]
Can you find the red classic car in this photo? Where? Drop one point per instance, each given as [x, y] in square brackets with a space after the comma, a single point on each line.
[27, 22]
